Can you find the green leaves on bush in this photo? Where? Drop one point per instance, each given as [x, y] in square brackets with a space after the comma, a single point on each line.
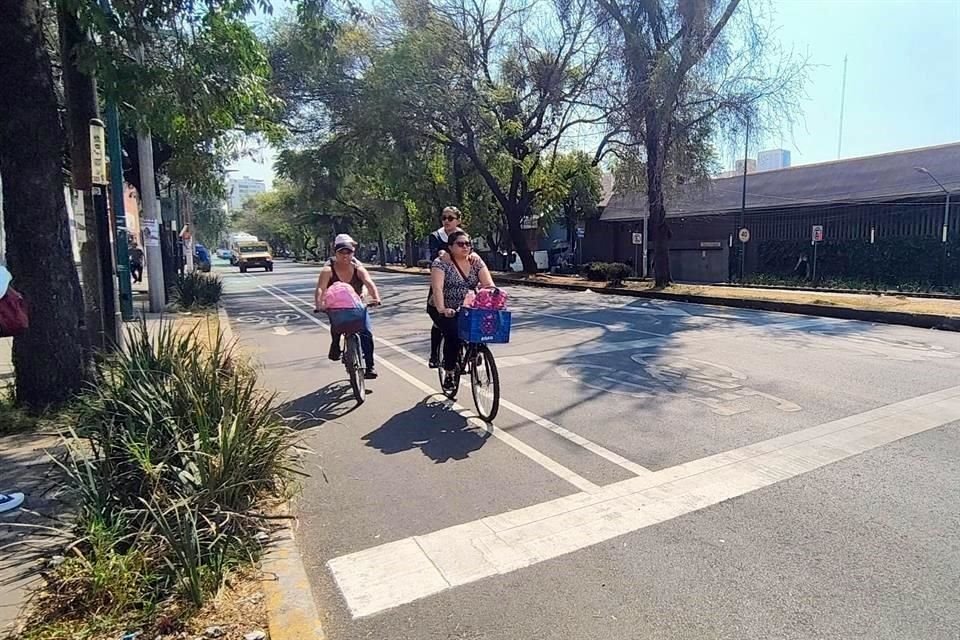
[613, 272]
[197, 290]
[173, 446]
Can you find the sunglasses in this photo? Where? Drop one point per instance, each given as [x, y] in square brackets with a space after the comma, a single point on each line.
[450, 218]
[345, 250]
[463, 244]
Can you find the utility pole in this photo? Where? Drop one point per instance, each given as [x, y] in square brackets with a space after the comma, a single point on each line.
[82, 110]
[120, 233]
[151, 221]
[843, 99]
[945, 231]
[743, 200]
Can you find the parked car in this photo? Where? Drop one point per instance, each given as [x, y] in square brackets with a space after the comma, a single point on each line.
[223, 253]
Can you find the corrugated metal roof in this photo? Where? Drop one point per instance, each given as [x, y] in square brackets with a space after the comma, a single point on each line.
[870, 178]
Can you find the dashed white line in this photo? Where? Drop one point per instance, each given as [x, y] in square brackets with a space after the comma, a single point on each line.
[549, 425]
[544, 461]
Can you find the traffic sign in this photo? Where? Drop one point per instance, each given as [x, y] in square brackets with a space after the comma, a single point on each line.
[637, 238]
[580, 232]
[744, 235]
[817, 233]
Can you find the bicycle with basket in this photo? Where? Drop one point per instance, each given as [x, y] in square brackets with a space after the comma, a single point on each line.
[349, 323]
[477, 328]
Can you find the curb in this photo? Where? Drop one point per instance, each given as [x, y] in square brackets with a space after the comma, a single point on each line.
[922, 321]
[291, 610]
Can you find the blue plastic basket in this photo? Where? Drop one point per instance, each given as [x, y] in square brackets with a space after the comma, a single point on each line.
[347, 320]
[484, 326]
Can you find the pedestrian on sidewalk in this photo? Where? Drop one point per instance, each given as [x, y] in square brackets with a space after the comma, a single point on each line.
[136, 261]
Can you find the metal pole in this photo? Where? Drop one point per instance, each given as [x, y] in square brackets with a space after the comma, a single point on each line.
[120, 232]
[122, 236]
[645, 234]
[843, 99]
[151, 221]
[743, 200]
[815, 262]
[946, 218]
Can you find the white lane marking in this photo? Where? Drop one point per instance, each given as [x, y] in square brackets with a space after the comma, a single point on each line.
[282, 331]
[547, 463]
[400, 572]
[553, 427]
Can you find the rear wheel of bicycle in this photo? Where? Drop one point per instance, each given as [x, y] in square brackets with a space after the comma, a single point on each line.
[484, 382]
[451, 390]
[353, 361]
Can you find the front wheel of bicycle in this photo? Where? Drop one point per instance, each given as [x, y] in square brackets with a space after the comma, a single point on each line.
[353, 362]
[484, 382]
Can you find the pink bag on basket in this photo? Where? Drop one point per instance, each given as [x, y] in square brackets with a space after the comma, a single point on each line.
[494, 299]
[341, 295]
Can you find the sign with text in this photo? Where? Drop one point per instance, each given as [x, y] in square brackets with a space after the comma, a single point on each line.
[637, 238]
[817, 233]
[744, 235]
[98, 153]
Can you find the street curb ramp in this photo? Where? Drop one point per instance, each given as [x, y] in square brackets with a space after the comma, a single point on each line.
[920, 320]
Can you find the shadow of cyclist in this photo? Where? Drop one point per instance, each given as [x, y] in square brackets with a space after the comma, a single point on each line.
[439, 433]
[326, 404]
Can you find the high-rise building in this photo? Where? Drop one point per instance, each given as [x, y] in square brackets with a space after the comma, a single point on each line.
[751, 166]
[242, 189]
[773, 159]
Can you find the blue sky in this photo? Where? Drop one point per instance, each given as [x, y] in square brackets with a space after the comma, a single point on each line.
[903, 78]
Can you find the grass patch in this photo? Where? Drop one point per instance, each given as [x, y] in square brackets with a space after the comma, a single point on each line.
[170, 455]
[13, 419]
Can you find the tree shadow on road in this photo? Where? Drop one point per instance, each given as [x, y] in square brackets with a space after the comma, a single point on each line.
[327, 404]
[441, 434]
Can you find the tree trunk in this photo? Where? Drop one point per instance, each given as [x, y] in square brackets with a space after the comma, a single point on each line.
[409, 258]
[658, 213]
[381, 249]
[514, 216]
[49, 358]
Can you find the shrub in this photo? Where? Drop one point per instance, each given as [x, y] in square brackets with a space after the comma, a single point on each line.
[613, 272]
[196, 290]
[171, 448]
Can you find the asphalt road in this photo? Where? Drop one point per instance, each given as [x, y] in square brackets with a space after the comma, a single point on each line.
[659, 470]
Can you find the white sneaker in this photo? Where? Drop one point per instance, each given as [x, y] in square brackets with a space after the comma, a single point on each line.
[10, 501]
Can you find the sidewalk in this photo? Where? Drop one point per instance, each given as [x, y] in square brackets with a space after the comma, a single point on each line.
[24, 466]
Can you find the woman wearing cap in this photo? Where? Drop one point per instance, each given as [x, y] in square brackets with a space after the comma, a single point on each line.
[450, 282]
[343, 267]
[450, 221]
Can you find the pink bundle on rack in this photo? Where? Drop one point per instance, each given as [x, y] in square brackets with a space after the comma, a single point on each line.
[494, 299]
[341, 295]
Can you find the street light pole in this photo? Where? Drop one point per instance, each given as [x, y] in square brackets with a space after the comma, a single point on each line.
[743, 200]
[945, 232]
[946, 206]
